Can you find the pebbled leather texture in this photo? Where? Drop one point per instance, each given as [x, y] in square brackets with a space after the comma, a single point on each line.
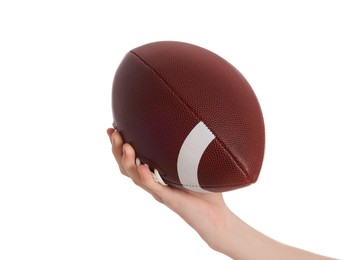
[161, 90]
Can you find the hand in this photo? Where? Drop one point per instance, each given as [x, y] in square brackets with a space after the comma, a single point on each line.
[205, 212]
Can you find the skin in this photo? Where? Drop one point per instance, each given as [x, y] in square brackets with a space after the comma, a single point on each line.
[207, 213]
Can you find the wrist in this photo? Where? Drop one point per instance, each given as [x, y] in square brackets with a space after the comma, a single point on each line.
[238, 240]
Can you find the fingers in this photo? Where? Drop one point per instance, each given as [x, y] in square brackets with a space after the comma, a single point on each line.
[117, 147]
[110, 131]
[128, 164]
[157, 190]
[140, 174]
[124, 155]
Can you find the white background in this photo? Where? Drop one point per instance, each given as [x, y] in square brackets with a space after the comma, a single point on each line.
[61, 194]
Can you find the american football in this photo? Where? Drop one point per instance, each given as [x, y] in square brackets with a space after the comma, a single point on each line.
[190, 115]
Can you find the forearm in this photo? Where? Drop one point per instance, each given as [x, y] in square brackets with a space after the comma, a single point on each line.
[240, 241]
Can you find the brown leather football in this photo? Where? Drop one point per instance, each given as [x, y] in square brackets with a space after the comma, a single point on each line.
[190, 115]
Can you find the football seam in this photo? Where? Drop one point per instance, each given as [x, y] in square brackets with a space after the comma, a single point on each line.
[183, 102]
[206, 186]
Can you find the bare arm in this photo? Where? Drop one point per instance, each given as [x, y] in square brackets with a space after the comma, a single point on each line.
[207, 213]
